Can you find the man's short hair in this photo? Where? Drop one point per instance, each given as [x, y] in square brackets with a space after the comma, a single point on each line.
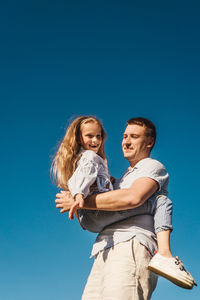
[150, 127]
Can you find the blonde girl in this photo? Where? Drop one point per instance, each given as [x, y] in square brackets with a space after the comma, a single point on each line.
[80, 165]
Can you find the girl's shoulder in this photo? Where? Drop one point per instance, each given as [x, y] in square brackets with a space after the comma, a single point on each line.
[90, 155]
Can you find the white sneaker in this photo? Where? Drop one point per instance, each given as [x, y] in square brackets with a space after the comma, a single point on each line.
[172, 269]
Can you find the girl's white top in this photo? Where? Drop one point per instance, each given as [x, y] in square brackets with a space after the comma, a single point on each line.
[91, 175]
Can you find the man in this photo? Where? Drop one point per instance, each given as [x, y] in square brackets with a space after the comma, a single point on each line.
[123, 249]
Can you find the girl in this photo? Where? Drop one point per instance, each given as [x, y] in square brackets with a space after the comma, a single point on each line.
[80, 166]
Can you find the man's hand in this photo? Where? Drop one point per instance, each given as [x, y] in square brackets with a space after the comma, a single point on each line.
[64, 200]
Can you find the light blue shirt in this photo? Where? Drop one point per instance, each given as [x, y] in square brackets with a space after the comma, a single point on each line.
[96, 221]
[90, 171]
[137, 222]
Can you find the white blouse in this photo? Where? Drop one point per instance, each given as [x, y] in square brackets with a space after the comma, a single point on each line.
[91, 175]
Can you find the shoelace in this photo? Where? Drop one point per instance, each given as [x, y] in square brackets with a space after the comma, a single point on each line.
[179, 262]
[182, 268]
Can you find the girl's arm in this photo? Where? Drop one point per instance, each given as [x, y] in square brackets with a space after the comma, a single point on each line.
[84, 176]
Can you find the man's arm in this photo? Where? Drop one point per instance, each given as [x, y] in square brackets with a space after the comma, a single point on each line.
[136, 195]
[122, 199]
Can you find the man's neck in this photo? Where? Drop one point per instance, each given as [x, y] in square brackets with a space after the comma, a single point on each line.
[134, 162]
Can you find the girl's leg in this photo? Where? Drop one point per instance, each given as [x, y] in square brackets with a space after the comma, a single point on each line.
[163, 239]
[163, 263]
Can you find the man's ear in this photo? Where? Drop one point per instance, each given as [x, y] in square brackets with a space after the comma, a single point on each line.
[150, 142]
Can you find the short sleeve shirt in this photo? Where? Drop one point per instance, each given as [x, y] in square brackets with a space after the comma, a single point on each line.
[124, 230]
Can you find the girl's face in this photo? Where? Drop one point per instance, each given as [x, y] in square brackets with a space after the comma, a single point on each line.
[90, 136]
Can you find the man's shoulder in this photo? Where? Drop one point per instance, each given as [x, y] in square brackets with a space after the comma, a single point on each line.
[154, 169]
[150, 163]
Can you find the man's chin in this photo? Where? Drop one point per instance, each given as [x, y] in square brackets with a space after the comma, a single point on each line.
[127, 155]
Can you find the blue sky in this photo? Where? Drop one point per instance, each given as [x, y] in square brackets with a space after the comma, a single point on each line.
[115, 60]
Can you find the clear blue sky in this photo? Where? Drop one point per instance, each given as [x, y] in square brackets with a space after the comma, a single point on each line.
[113, 59]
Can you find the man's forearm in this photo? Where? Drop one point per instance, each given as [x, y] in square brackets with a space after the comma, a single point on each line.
[111, 201]
[123, 199]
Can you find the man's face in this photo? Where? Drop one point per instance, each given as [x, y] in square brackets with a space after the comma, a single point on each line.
[135, 144]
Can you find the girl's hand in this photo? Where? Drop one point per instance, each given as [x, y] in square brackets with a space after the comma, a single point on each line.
[79, 203]
[79, 199]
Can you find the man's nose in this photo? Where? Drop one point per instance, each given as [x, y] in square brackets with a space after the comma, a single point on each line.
[127, 141]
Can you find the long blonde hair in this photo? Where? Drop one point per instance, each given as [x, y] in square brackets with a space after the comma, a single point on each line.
[65, 160]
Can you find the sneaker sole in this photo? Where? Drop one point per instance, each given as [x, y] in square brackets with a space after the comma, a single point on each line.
[172, 279]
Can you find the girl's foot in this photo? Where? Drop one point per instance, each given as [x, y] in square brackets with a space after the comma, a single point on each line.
[172, 269]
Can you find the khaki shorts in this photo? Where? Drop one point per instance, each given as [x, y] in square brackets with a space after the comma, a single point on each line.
[120, 273]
